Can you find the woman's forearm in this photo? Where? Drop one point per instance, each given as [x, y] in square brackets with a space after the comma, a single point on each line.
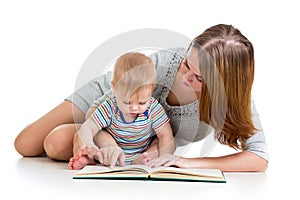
[239, 162]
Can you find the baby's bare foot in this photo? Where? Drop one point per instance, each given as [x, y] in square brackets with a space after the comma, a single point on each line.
[79, 161]
[143, 159]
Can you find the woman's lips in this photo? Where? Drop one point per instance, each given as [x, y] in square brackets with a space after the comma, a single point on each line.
[186, 83]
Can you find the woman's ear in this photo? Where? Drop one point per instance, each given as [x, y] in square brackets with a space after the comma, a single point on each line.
[112, 85]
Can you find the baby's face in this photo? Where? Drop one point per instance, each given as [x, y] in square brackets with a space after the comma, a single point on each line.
[131, 106]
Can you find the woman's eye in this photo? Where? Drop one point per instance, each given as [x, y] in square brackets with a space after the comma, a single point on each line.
[199, 78]
[186, 65]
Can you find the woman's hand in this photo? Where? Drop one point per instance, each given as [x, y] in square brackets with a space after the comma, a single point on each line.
[170, 160]
[111, 155]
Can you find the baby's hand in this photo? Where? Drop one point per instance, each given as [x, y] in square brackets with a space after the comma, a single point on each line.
[89, 150]
[110, 155]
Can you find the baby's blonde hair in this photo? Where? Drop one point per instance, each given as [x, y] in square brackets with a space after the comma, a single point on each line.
[133, 73]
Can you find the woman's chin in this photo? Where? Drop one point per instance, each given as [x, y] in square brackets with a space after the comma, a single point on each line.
[187, 88]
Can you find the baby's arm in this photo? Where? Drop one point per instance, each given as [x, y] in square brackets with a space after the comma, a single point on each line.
[84, 137]
[87, 132]
[104, 139]
[84, 148]
[166, 141]
[161, 125]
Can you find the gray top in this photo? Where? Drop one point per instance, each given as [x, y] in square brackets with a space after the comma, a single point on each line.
[184, 119]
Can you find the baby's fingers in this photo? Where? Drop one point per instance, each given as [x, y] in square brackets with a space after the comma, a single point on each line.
[117, 156]
[99, 156]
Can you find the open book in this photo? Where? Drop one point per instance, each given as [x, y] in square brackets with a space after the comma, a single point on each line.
[142, 172]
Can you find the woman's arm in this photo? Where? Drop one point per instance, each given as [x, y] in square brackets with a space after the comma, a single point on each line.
[244, 161]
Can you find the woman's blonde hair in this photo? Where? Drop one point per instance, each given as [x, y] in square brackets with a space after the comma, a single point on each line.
[133, 72]
[226, 62]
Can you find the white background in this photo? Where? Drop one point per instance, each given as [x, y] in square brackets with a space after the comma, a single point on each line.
[43, 45]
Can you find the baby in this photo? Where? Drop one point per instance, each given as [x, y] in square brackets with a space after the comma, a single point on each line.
[131, 116]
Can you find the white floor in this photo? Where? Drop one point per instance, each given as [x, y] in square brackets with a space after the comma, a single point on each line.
[43, 178]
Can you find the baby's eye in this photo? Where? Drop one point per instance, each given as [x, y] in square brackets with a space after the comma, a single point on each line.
[142, 103]
[126, 102]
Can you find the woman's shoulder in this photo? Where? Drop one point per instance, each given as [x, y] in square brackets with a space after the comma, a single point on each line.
[164, 56]
[167, 62]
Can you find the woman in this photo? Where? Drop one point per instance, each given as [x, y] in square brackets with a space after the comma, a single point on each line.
[213, 80]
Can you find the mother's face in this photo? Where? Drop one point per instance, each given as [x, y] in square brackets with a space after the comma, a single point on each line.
[191, 75]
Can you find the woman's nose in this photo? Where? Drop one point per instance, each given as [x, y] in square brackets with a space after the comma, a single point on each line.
[188, 76]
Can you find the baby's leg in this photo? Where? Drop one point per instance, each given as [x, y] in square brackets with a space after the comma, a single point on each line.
[142, 159]
[78, 162]
[149, 154]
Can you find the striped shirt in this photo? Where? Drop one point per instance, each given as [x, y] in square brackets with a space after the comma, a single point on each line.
[133, 137]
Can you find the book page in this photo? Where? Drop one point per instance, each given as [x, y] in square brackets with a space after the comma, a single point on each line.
[130, 169]
[189, 172]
